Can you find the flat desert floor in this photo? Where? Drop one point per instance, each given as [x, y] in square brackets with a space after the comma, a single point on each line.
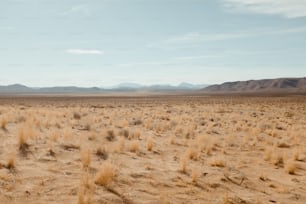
[156, 149]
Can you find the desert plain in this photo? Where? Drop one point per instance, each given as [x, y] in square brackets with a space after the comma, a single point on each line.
[153, 149]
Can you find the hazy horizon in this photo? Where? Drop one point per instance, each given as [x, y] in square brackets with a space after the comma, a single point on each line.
[105, 43]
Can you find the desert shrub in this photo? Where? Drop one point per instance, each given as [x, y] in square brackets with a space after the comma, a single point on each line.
[102, 153]
[105, 175]
[134, 146]
[110, 135]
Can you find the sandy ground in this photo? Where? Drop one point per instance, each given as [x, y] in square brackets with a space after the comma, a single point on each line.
[180, 149]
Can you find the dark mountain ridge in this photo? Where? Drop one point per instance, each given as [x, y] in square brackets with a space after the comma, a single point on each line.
[264, 85]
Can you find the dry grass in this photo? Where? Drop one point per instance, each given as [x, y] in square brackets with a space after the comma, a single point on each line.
[85, 157]
[11, 161]
[119, 145]
[150, 143]
[102, 153]
[184, 162]
[195, 173]
[134, 146]
[3, 123]
[110, 135]
[192, 153]
[290, 167]
[207, 132]
[105, 175]
[86, 190]
[172, 139]
[23, 138]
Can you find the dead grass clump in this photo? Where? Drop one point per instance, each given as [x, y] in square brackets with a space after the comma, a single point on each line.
[86, 190]
[124, 133]
[150, 143]
[268, 153]
[85, 157]
[296, 154]
[136, 134]
[184, 161]
[195, 174]
[134, 146]
[290, 167]
[3, 123]
[102, 153]
[119, 145]
[23, 137]
[105, 175]
[217, 161]
[172, 139]
[192, 153]
[277, 159]
[76, 116]
[11, 161]
[110, 135]
[136, 122]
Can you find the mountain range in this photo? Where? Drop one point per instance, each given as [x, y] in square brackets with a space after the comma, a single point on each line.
[292, 85]
[264, 85]
[123, 87]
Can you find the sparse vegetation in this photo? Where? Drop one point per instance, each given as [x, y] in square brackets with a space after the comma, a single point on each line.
[150, 143]
[105, 175]
[134, 146]
[102, 153]
[290, 167]
[110, 135]
[85, 157]
[3, 123]
[184, 149]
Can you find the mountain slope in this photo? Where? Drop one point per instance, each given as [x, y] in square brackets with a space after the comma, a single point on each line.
[264, 85]
[14, 88]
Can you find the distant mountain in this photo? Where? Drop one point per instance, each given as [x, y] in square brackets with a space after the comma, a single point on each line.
[127, 85]
[14, 88]
[69, 89]
[123, 87]
[264, 85]
[185, 85]
[155, 87]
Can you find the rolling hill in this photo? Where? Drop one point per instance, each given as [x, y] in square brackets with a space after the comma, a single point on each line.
[264, 85]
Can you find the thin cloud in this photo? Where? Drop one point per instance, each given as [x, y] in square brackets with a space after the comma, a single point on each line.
[196, 57]
[286, 8]
[195, 38]
[84, 52]
[81, 9]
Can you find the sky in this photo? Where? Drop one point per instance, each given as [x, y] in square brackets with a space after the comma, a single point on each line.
[107, 42]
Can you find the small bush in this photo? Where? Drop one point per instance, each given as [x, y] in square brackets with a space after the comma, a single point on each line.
[150, 143]
[105, 175]
[85, 157]
[290, 167]
[195, 174]
[102, 153]
[110, 135]
[3, 123]
[76, 116]
[134, 146]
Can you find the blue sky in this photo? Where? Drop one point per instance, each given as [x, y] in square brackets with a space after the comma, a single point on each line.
[106, 42]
